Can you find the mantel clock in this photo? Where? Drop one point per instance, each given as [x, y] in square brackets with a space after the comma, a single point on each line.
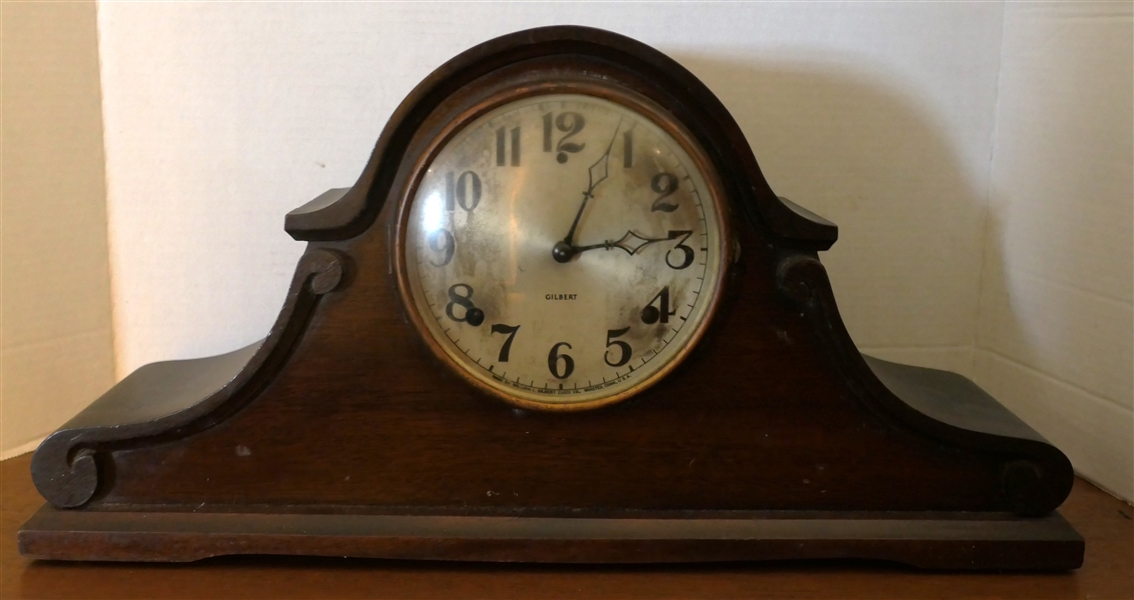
[560, 317]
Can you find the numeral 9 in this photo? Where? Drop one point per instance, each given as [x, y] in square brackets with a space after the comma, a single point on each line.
[442, 241]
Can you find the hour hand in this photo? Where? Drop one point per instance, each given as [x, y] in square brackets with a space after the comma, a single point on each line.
[630, 242]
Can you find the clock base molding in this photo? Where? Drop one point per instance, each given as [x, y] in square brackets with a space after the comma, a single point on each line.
[923, 540]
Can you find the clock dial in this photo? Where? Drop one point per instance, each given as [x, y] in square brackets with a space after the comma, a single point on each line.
[564, 251]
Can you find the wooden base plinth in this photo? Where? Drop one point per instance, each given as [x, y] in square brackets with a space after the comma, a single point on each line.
[933, 541]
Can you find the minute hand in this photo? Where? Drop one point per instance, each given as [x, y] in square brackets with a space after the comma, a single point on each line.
[597, 173]
[632, 243]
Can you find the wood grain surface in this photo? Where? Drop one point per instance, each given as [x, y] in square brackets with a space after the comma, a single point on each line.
[1104, 521]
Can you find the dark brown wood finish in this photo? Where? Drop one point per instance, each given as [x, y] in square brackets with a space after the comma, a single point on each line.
[344, 411]
[940, 541]
[1103, 520]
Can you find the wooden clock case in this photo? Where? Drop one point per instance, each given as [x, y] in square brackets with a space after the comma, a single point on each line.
[341, 433]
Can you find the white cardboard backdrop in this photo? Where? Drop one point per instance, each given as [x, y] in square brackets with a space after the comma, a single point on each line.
[1055, 322]
[883, 117]
[56, 336]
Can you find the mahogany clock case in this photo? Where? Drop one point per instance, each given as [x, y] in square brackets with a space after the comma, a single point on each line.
[342, 433]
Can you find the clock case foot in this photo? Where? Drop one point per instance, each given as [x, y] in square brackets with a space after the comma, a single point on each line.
[341, 409]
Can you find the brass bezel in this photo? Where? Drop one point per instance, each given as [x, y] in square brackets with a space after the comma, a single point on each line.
[453, 119]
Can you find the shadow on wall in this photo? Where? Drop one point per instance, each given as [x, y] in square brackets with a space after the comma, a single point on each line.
[907, 267]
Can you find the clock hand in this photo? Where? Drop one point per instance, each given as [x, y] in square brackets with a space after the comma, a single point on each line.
[597, 173]
[631, 242]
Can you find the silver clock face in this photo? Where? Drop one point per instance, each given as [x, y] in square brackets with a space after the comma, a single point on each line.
[564, 251]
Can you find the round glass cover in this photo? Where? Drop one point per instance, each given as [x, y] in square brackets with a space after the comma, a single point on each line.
[564, 251]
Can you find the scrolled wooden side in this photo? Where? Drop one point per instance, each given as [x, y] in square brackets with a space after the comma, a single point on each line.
[1035, 478]
[176, 399]
[64, 481]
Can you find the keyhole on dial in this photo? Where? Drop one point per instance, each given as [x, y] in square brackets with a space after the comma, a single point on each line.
[652, 314]
[460, 294]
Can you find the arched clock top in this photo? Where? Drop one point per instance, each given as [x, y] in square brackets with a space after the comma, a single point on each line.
[344, 213]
